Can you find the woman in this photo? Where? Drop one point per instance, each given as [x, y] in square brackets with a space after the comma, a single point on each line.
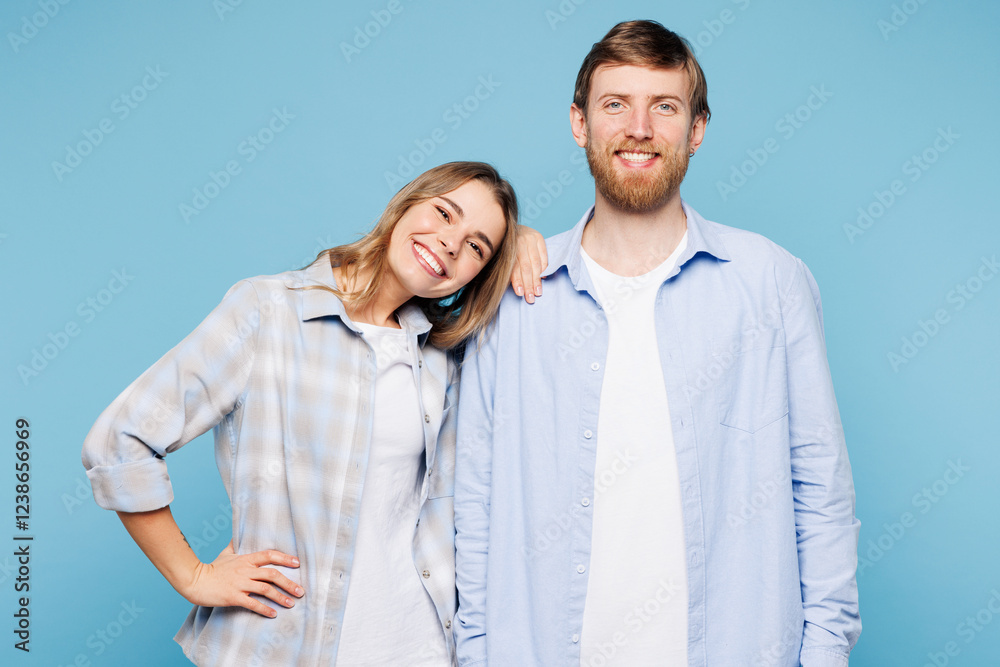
[321, 383]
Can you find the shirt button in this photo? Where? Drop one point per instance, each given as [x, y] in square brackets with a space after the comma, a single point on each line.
[420, 364]
[581, 568]
[595, 366]
[585, 502]
[576, 639]
[588, 434]
[447, 623]
[427, 419]
[427, 574]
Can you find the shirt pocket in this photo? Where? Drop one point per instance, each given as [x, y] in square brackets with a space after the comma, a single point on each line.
[753, 391]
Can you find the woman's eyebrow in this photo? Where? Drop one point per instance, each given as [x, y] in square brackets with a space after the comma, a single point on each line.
[458, 209]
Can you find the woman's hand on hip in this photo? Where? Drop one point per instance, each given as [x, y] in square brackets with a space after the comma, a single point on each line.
[229, 580]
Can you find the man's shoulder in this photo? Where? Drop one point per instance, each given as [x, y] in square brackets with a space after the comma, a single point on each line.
[746, 246]
[558, 245]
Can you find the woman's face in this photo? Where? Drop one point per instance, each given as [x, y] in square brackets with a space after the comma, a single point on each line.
[441, 244]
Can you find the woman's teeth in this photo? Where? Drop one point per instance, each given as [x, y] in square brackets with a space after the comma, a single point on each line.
[429, 258]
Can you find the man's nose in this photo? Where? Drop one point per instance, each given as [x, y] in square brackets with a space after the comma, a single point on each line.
[638, 125]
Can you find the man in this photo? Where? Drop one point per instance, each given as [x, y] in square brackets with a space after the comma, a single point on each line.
[651, 466]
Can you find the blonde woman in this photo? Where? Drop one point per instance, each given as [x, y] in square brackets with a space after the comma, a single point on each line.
[331, 393]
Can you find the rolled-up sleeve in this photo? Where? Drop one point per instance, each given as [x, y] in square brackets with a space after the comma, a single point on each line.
[184, 394]
[823, 490]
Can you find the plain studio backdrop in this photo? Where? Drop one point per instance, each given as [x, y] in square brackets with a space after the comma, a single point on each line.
[153, 155]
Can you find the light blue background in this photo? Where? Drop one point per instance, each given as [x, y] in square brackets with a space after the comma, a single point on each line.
[322, 180]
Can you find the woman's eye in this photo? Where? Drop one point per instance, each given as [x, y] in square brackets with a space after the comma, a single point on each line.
[444, 214]
[479, 251]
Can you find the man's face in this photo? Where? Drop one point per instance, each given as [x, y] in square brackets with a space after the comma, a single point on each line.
[638, 133]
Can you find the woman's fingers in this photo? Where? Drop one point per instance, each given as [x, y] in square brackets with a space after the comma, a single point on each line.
[241, 580]
[281, 581]
[531, 260]
[272, 557]
[256, 606]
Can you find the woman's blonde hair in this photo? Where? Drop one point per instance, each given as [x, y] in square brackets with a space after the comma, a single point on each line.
[457, 317]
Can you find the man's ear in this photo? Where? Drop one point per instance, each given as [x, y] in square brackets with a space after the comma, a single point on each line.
[578, 124]
[697, 133]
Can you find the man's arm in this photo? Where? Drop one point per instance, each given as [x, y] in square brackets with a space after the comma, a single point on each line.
[823, 491]
[473, 467]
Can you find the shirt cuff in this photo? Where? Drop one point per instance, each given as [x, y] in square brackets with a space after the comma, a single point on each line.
[822, 657]
[136, 486]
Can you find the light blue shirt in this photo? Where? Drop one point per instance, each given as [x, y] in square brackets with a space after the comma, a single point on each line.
[767, 496]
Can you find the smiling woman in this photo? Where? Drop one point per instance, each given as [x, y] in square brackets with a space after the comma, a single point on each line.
[320, 384]
[442, 234]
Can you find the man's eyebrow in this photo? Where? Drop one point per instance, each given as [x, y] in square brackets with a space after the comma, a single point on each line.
[458, 209]
[662, 96]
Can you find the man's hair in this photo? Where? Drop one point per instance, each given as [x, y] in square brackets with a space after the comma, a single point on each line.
[456, 318]
[644, 44]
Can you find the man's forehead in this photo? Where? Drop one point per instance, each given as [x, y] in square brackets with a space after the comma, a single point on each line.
[625, 70]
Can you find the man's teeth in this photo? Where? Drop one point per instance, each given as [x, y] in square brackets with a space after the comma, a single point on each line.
[636, 157]
[429, 258]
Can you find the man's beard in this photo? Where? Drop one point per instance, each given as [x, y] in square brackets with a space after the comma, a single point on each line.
[637, 192]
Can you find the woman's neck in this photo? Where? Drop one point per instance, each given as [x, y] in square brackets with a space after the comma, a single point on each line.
[381, 310]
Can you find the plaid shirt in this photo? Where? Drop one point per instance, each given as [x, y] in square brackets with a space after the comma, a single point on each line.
[287, 382]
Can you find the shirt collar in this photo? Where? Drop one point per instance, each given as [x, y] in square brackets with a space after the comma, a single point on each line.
[702, 238]
[317, 303]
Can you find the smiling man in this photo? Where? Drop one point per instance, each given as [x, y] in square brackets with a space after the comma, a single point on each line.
[651, 465]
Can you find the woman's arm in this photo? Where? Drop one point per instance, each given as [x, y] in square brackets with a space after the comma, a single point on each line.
[531, 261]
[228, 581]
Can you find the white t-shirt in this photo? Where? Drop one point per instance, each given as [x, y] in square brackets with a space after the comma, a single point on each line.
[637, 602]
[389, 617]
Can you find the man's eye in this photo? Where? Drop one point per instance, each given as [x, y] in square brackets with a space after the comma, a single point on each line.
[615, 105]
[666, 107]
[444, 214]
